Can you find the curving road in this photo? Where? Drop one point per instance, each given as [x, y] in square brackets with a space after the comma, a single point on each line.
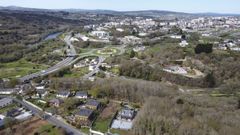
[71, 53]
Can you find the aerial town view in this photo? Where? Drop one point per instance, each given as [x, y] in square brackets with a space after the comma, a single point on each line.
[119, 67]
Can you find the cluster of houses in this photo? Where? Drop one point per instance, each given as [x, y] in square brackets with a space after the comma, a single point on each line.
[91, 63]
[230, 45]
[14, 112]
[61, 95]
[85, 113]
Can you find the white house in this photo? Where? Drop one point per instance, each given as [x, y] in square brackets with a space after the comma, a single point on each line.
[120, 29]
[40, 87]
[6, 91]
[176, 36]
[63, 94]
[79, 65]
[184, 43]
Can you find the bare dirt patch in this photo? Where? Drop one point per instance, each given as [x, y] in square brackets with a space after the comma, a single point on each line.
[28, 127]
[110, 110]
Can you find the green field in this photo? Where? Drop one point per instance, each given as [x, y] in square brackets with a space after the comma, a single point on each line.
[161, 48]
[19, 68]
[77, 72]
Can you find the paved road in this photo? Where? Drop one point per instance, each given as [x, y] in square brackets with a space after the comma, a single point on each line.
[64, 63]
[51, 119]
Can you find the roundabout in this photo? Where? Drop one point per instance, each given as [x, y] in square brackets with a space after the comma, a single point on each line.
[107, 51]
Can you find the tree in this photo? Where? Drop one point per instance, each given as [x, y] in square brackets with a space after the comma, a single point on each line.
[72, 34]
[19, 97]
[101, 74]
[132, 54]
[210, 80]
[95, 92]
[13, 82]
[204, 48]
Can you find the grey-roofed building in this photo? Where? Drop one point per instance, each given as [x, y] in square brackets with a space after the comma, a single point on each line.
[93, 104]
[13, 113]
[81, 95]
[63, 94]
[127, 114]
[5, 102]
[84, 115]
[56, 102]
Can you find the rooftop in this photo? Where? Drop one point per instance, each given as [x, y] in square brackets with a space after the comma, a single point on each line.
[127, 112]
[81, 93]
[63, 93]
[85, 112]
[93, 103]
[5, 101]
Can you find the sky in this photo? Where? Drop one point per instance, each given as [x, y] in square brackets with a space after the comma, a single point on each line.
[189, 6]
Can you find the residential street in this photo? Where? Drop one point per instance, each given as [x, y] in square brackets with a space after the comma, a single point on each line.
[53, 120]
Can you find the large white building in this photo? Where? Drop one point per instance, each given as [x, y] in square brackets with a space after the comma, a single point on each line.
[100, 34]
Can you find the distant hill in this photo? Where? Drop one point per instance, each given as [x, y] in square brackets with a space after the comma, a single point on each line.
[154, 13]
[146, 13]
[22, 8]
[217, 14]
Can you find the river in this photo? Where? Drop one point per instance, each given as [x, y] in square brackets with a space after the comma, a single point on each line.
[52, 36]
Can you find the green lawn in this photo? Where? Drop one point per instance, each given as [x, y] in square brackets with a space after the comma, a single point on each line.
[77, 72]
[85, 130]
[120, 132]
[7, 108]
[19, 69]
[161, 47]
[37, 103]
[49, 130]
[101, 51]
[101, 125]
